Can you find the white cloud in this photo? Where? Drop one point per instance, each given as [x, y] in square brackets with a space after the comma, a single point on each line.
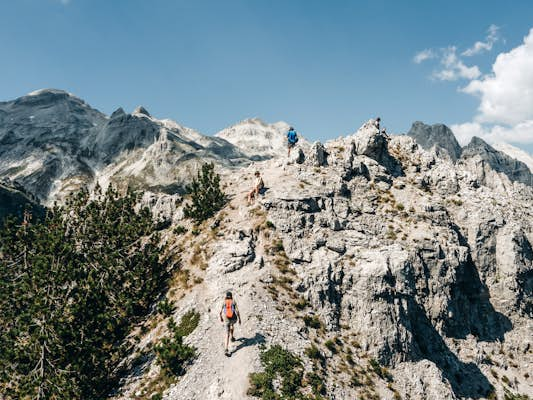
[454, 68]
[519, 133]
[493, 35]
[505, 111]
[507, 93]
[423, 55]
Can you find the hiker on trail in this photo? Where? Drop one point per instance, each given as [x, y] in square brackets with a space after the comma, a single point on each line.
[229, 314]
[292, 139]
[258, 186]
[377, 121]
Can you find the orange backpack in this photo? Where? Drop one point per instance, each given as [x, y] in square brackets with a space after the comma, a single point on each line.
[230, 308]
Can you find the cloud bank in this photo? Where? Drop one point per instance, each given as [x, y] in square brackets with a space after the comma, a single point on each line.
[505, 111]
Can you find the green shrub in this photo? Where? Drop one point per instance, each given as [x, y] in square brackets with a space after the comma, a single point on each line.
[206, 195]
[313, 353]
[180, 230]
[380, 371]
[316, 382]
[165, 308]
[278, 246]
[188, 323]
[330, 344]
[280, 365]
[356, 382]
[301, 304]
[172, 354]
[270, 225]
[312, 321]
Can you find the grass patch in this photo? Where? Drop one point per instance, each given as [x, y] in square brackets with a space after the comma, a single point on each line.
[313, 353]
[391, 235]
[508, 395]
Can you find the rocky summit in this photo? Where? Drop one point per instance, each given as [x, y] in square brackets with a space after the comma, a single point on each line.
[389, 268]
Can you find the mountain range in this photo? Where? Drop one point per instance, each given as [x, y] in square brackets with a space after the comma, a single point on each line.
[388, 267]
[53, 143]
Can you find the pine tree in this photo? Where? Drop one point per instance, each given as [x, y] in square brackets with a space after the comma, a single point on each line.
[70, 289]
[206, 195]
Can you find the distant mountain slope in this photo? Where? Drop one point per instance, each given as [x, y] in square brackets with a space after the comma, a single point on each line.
[488, 159]
[259, 140]
[516, 153]
[44, 137]
[52, 143]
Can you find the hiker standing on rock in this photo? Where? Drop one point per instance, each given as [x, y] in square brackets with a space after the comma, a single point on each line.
[229, 314]
[258, 186]
[377, 121]
[292, 139]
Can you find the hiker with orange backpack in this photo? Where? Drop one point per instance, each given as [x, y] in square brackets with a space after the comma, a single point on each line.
[229, 314]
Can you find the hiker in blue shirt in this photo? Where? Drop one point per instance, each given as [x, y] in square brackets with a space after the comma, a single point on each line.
[292, 139]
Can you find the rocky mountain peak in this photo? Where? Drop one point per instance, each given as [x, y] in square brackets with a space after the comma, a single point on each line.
[260, 140]
[485, 160]
[142, 111]
[438, 135]
[118, 113]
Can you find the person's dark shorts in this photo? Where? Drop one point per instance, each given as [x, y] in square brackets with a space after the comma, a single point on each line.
[229, 322]
[291, 145]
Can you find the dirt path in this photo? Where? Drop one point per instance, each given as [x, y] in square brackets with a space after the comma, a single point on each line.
[214, 375]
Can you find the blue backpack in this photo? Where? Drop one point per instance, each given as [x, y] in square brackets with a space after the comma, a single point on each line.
[292, 136]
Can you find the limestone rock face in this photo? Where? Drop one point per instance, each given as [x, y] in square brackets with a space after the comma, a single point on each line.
[437, 135]
[317, 157]
[486, 162]
[421, 268]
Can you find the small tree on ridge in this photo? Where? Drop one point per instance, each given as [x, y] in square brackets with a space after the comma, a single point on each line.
[206, 195]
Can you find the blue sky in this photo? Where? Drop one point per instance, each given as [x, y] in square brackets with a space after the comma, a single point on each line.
[325, 67]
